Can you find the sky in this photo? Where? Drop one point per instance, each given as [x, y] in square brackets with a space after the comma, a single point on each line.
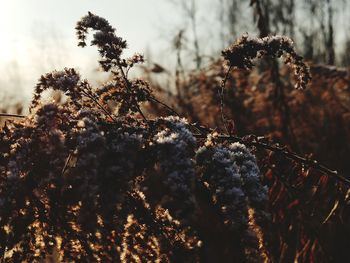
[38, 36]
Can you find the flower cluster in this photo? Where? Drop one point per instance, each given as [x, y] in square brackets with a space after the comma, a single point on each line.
[128, 94]
[232, 177]
[250, 175]
[245, 49]
[174, 145]
[66, 81]
[123, 99]
[109, 45]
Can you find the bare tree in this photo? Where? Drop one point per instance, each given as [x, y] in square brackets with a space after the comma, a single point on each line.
[190, 10]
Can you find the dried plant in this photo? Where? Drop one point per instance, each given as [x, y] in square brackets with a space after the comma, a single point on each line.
[95, 179]
[245, 49]
[318, 121]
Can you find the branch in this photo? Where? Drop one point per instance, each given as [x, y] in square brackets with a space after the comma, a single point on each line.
[129, 88]
[170, 109]
[254, 141]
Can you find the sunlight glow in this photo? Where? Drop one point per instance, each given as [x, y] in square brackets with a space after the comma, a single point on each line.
[6, 51]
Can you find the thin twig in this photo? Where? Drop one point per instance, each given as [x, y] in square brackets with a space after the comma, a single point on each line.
[12, 115]
[99, 105]
[165, 105]
[221, 93]
[66, 163]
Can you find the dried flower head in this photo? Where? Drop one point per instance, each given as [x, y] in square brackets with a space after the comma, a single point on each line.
[174, 146]
[67, 81]
[245, 49]
[232, 176]
[109, 45]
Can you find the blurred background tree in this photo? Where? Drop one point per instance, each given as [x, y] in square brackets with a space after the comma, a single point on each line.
[318, 27]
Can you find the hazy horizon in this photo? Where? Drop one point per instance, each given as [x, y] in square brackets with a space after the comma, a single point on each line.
[38, 36]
